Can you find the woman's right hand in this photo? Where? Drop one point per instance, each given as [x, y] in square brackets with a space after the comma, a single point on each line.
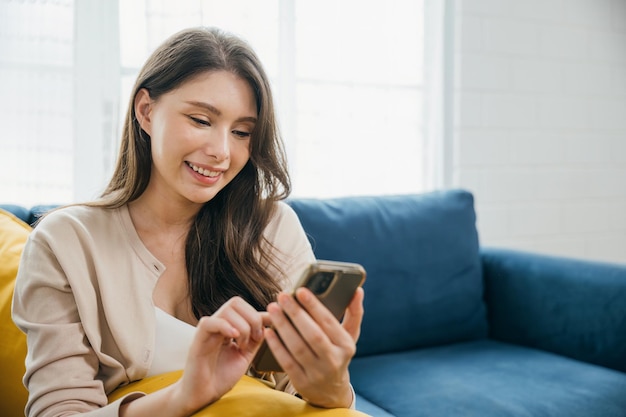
[220, 354]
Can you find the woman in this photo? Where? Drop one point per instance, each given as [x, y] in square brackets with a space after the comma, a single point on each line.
[177, 262]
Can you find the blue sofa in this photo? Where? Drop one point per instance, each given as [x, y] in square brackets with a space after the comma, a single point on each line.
[453, 329]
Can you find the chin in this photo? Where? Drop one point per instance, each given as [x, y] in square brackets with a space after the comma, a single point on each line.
[202, 198]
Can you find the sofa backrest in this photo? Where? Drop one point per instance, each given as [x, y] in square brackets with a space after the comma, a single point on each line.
[29, 216]
[424, 281]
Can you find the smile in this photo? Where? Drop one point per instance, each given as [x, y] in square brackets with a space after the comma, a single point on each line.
[202, 171]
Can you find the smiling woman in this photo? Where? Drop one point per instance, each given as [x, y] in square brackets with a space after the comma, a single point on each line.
[191, 232]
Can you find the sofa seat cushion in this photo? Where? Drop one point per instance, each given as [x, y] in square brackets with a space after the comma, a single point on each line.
[369, 408]
[424, 283]
[488, 378]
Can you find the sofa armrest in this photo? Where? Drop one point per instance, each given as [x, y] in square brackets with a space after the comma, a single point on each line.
[570, 307]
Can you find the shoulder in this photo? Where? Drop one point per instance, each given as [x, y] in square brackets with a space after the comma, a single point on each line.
[289, 245]
[284, 220]
[284, 212]
[74, 214]
[74, 220]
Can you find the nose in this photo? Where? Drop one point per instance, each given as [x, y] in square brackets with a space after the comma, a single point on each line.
[218, 145]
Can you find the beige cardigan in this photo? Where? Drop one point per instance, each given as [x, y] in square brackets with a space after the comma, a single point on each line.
[83, 296]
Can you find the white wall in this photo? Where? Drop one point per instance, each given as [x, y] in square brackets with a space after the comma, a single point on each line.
[540, 123]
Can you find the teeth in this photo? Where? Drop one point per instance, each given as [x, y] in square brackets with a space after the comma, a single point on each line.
[203, 171]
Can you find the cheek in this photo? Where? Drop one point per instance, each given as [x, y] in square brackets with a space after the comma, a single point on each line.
[159, 145]
[172, 140]
[240, 151]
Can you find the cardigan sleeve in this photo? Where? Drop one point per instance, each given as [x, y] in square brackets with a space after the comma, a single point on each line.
[56, 300]
[45, 309]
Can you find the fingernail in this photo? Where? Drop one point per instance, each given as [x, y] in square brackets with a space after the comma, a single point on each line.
[273, 308]
[284, 299]
[303, 295]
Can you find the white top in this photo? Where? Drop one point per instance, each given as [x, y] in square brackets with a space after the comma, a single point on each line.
[171, 343]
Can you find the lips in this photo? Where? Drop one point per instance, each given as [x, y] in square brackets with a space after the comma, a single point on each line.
[202, 171]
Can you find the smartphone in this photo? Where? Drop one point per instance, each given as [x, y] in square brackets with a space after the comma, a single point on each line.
[334, 284]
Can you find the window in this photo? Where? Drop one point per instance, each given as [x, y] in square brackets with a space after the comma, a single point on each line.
[36, 110]
[348, 81]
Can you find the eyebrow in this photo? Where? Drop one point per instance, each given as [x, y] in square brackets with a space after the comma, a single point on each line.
[217, 112]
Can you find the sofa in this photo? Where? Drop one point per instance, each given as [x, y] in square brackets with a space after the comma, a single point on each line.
[455, 329]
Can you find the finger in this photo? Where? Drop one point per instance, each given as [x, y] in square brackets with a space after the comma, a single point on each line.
[282, 355]
[354, 315]
[319, 318]
[244, 318]
[210, 326]
[297, 314]
[240, 324]
[290, 333]
[210, 333]
[265, 318]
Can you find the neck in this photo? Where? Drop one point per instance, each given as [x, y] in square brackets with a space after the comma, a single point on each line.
[152, 213]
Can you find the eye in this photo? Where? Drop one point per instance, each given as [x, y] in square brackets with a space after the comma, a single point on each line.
[200, 121]
[241, 134]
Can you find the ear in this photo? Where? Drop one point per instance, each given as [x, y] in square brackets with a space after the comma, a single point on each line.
[143, 110]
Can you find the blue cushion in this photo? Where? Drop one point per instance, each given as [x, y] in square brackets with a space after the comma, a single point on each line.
[31, 215]
[424, 280]
[39, 210]
[488, 378]
[20, 212]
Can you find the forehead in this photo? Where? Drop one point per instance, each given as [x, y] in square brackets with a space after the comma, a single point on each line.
[220, 89]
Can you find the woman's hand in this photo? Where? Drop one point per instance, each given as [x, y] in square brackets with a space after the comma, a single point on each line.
[220, 353]
[315, 349]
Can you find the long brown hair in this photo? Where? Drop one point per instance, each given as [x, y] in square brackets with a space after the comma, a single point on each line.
[225, 252]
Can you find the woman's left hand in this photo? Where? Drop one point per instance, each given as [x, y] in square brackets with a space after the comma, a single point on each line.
[314, 349]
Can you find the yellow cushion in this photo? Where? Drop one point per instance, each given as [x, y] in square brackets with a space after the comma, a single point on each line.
[248, 398]
[13, 395]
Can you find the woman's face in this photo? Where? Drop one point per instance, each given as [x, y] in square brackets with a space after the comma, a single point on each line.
[200, 135]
